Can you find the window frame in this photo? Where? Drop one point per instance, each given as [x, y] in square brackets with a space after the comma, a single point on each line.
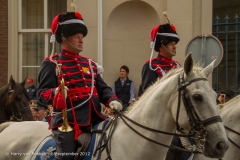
[21, 31]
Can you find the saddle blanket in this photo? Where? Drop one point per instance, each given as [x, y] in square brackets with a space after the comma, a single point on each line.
[94, 142]
[45, 150]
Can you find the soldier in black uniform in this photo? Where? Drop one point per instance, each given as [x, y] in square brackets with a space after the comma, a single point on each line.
[164, 39]
[84, 90]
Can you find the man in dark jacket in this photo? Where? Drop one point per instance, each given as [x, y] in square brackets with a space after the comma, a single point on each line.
[124, 87]
[83, 89]
[31, 89]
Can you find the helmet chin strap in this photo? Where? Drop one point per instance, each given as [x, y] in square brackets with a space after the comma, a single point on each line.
[70, 44]
[171, 53]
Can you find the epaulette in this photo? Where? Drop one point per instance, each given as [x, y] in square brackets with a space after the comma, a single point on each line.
[153, 59]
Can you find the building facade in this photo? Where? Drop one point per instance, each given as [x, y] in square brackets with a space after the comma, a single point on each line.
[4, 44]
[119, 32]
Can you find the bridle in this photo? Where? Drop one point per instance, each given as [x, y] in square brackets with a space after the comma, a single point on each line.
[15, 113]
[197, 130]
[197, 125]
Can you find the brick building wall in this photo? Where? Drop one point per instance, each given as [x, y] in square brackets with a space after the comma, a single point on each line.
[3, 43]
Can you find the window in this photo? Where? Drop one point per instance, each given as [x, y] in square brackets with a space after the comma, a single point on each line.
[35, 17]
[226, 28]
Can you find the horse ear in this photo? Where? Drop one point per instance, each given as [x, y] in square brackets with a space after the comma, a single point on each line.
[206, 71]
[23, 82]
[188, 64]
[11, 82]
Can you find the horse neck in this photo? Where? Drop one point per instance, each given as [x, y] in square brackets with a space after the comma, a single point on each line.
[231, 108]
[3, 94]
[152, 110]
[155, 105]
[230, 113]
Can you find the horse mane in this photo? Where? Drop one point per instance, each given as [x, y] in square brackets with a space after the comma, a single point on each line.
[173, 72]
[18, 90]
[3, 93]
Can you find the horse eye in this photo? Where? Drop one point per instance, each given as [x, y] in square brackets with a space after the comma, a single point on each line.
[197, 97]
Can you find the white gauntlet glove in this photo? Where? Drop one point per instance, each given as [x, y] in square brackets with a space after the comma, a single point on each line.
[115, 105]
[65, 91]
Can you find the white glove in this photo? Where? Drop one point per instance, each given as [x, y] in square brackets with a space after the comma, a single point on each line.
[65, 91]
[115, 105]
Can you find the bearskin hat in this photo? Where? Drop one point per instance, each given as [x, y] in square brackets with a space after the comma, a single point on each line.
[164, 34]
[62, 26]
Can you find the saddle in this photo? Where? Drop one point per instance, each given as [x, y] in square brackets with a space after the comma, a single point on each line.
[84, 140]
[83, 143]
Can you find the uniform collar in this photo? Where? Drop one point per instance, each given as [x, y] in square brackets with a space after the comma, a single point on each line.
[164, 59]
[68, 54]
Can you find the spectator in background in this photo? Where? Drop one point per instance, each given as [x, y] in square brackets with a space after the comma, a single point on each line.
[31, 89]
[225, 95]
[124, 87]
[34, 113]
[41, 112]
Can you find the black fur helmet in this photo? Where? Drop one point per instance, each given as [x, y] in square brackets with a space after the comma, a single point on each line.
[62, 25]
[166, 33]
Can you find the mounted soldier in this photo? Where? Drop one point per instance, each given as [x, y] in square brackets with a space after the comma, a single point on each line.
[71, 76]
[164, 39]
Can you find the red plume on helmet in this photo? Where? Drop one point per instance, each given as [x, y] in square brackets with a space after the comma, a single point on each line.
[54, 25]
[154, 33]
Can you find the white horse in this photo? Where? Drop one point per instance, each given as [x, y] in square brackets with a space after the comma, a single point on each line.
[230, 113]
[157, 108]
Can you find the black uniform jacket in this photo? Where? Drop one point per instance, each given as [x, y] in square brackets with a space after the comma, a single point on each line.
[77, 75]
[149, 76]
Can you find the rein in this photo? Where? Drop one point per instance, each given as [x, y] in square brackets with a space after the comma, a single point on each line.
[197, 125]
[122, 116]
[231, 139]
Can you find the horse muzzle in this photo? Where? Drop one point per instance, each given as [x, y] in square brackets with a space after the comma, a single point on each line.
[216, 150]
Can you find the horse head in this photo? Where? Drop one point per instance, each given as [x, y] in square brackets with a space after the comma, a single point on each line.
[199, 105]
[16, 101]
